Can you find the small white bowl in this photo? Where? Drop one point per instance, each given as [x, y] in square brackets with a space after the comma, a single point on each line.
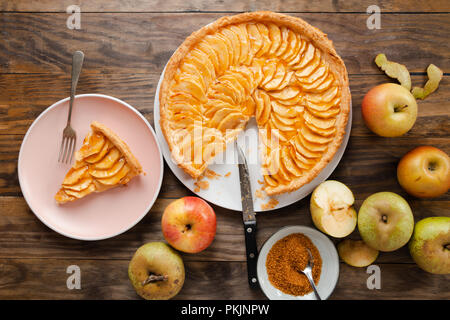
[330, 264]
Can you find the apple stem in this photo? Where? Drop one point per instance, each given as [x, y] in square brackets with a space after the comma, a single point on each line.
[154, 278]
[447, 246]
[384, 218]
[400, 108]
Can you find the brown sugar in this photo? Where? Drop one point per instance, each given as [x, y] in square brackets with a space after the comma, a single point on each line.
[287, 258]
[272, 203]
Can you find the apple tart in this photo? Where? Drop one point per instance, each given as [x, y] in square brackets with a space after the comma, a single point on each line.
[274, 67]
[104, 161]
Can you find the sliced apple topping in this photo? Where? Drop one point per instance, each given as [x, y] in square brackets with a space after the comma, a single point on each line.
[81, 185]
[266, 70]
[74, 175]
[394, 70]
[332, 209]
[109, 160]
[115, 179]
[434, 77]
[93, 143]
[107, 173]
[82, 193]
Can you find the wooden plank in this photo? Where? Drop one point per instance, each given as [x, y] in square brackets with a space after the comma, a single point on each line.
[134, 43]
[107, 279]
[20, 229]
[25, 98]
[227, 5]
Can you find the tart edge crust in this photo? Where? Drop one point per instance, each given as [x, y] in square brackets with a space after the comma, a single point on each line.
[119, 144]
[316, 36]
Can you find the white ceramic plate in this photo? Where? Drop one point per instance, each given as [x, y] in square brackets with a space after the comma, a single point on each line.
[330, 264]
[225, 191]
[99, 216]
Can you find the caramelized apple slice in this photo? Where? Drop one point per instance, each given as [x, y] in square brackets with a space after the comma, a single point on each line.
[116, 178]
[81, 185]
[74, 175]
[109, 160]
[318, 122]
[62, 197]
[97, 157]
[95, 142]
[289, 164]
[434, 77]
[394, 70]
[82, 193]
[100, 174]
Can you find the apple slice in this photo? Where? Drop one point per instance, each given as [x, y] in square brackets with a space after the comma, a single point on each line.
[331, 209]
[356, 253]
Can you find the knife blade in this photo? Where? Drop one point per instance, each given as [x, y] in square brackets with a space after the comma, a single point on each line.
[248, 217]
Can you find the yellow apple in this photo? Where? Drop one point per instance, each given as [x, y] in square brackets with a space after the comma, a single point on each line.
[331, 209]
[389, 110]
[424, 172]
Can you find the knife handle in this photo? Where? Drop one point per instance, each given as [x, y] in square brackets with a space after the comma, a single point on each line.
[252, 252]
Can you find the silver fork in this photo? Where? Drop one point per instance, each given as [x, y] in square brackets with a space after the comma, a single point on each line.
[308, 273]
[69, 139]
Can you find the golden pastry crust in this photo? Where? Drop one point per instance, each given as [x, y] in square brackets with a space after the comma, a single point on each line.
[314, 36]
[119, 144]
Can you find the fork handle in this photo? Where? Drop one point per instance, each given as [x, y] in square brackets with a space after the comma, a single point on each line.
[77, 63]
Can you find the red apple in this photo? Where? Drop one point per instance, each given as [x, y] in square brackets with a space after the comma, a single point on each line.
[389, 110]
[189, 224]
[424, 172]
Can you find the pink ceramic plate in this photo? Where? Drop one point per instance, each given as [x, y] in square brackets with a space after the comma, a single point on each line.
[98, 216]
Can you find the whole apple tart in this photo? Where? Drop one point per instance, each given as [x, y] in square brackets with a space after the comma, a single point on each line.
[276, 68]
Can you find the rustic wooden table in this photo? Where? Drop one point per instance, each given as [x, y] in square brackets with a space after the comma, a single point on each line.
[127, 45]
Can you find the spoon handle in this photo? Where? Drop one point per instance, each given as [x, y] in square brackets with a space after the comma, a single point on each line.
[313, 285]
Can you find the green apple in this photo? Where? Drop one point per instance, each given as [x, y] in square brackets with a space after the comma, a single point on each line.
[356, 253]
[430, 245]
[331, 209]
[156, 271]
[385, 221]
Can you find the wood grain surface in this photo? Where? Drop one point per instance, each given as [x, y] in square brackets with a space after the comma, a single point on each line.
[127, 44]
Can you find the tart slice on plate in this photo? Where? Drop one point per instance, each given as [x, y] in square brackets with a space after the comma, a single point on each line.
[103, 162]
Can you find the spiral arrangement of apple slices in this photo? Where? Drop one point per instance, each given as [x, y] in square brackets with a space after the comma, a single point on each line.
[99, 166]
[262, 70]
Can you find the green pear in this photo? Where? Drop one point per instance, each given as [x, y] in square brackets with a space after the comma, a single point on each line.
[385, 221]
[156, 271]
[430, 244]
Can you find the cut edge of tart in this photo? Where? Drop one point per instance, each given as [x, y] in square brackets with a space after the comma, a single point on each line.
[104, 161]
[323, 118]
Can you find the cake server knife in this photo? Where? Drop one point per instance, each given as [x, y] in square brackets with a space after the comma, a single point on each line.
[248, 217]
